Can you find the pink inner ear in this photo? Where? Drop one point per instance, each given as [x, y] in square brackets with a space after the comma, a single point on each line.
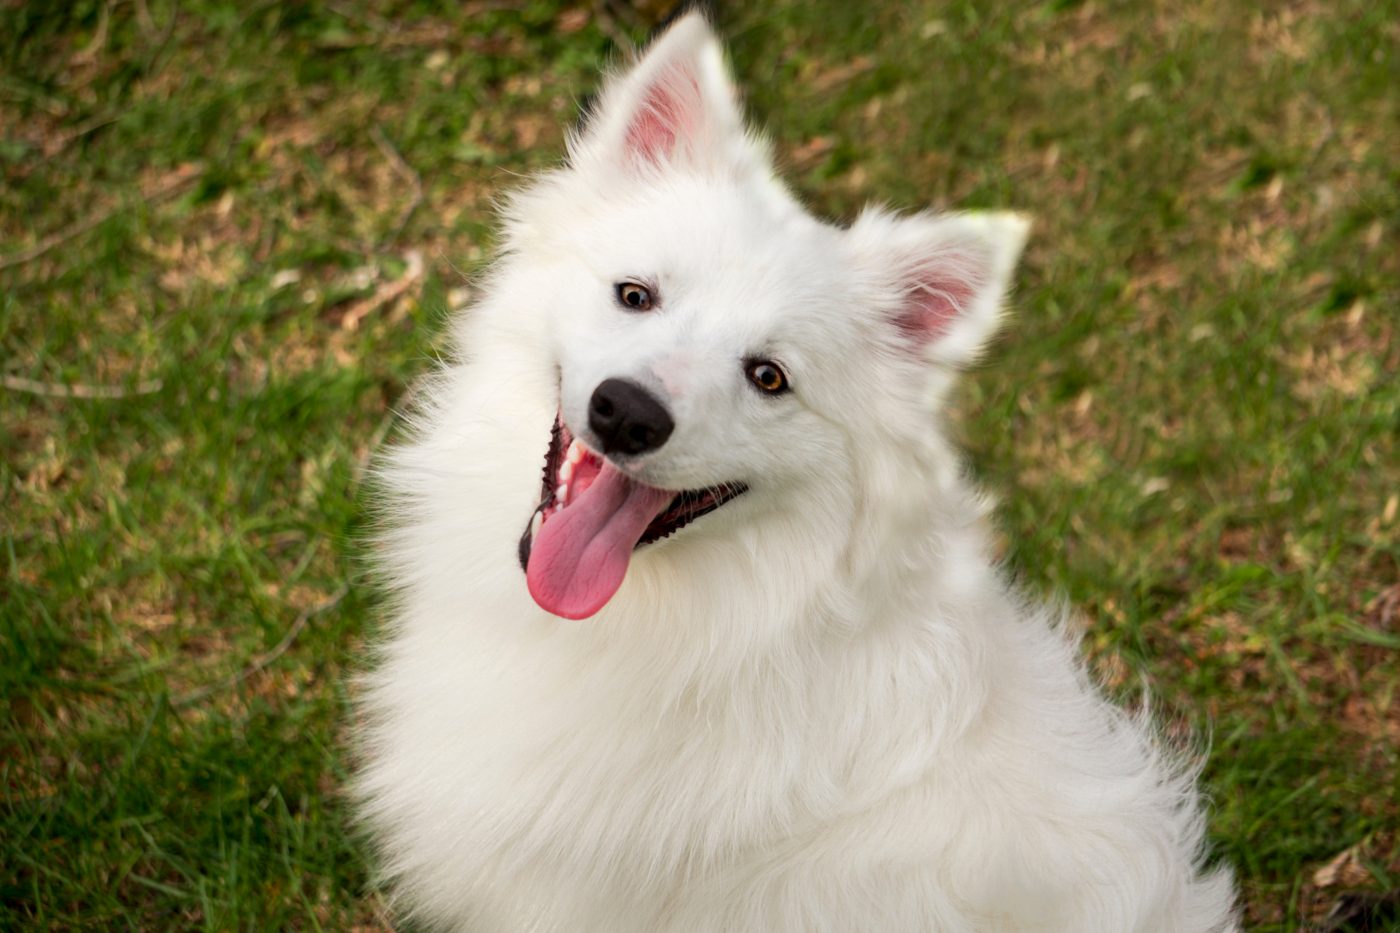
[935, 297]
[668, 113]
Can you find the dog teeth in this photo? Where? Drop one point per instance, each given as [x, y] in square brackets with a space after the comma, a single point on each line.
[561, 493]
[535, 523]
[566, 472]
[575, 452]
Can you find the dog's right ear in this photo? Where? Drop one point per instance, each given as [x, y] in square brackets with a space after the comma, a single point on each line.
[676, 106]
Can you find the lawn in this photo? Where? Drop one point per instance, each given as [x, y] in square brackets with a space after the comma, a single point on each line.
[230, 234]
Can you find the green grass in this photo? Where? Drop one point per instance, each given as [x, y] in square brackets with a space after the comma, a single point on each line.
[1192, 421]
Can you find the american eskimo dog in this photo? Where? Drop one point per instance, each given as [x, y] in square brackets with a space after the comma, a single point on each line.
[801, 696]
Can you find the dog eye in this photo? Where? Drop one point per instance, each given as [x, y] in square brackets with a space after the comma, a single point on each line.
[767, 376]
[632, 296]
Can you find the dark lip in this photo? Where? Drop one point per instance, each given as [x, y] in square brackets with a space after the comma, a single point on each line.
[686, 507]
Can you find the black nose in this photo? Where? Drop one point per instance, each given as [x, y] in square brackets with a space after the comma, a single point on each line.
[627, 418]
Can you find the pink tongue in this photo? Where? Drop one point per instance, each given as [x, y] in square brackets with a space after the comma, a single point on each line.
[579, 557]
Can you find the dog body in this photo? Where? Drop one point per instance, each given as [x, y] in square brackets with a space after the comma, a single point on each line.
[812, 703]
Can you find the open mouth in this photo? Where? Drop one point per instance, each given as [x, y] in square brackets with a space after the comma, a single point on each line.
[590, 519]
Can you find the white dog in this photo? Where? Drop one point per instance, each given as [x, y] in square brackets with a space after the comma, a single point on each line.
[816, 705]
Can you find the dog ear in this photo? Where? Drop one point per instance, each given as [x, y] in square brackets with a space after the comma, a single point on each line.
[940, 280]
[675, 106]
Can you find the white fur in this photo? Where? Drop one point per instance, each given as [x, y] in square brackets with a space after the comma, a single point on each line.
[819, 708]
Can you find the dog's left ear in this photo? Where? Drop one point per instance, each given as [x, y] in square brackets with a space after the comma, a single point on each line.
[675, 106]
[939, 280]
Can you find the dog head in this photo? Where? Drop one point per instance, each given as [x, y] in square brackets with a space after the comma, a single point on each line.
[715, 343]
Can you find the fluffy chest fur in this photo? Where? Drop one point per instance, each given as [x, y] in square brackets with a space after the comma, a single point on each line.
[809, 703]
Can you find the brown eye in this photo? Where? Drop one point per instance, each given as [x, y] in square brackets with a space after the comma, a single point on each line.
[633, 297]
[767, 376]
